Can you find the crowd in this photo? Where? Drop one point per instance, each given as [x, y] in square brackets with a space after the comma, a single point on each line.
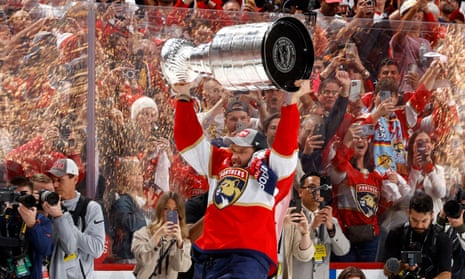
[378, 122]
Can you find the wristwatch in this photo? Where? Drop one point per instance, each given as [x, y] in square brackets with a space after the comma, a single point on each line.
[366, 74]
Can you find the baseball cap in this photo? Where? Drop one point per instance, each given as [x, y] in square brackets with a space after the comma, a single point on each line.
[236, 105]
[406, 5]
[248, 138]
[64, 166]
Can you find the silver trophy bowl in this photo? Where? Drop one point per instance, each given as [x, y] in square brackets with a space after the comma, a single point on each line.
[256, 56]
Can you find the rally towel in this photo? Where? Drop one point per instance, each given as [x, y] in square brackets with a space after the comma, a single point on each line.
[388, 145]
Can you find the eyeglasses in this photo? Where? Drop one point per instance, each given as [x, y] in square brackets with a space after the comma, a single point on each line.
[311, 188]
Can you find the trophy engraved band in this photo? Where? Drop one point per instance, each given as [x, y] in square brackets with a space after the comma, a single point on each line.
[256, 56]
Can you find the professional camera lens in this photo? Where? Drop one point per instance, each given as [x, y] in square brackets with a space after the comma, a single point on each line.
[47, 196]
[27, 200]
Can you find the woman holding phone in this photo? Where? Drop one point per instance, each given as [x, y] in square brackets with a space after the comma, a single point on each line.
[424, 173]
[162, 248]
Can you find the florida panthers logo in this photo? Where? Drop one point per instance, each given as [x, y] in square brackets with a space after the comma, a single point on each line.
[230, 187]
[367, 199]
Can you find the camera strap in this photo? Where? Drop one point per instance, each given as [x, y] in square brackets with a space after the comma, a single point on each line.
[163, 254]
[80, 211]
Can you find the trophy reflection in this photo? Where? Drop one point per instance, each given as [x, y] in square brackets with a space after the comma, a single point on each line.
[256, 56]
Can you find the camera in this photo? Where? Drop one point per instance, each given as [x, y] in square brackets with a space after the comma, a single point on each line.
[47, 196]
[411, 258]
[13, 197]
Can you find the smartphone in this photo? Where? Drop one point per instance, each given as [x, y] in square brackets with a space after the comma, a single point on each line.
[384, 94]
[413, 68]
[298, 205]
[317, 129]
[172, 216]
[240, 126]
[350, 50]
[355, 89]
[411, 257]
[421, 147]
[71, 142]
[368, 130]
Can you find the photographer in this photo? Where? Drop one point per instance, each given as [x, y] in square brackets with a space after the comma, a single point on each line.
[324, 229]
[423, 251]
[450, 220]
[79, 232]
[38, 230]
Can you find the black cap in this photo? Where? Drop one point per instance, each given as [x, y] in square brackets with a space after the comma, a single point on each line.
[236, 105]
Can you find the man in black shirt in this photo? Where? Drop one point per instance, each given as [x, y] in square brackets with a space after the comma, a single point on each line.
[418, 237]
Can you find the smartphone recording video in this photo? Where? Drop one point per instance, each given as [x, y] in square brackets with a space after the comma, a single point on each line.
[298, 205]
[172, 216]
[355, 90]
[384, 94]
[368, 130]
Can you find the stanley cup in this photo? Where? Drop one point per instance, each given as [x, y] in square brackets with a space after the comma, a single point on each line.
[245, 57]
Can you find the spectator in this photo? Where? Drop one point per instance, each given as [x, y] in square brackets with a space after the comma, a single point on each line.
[450, 11]
[127, 213]
[214, 98]
[370, 34]
[236, 118]
[424, 174]
[389, 69]
[38, 231]
[162, 248]
[274, 99]
[351, 272]
[78, 239]
[39, 154]
[41, 181]
[150, 145]
[270, 125]
[451, 221]
[311, 141]
[408, 46]
[434, 248]
[328, 19]
[295, 242]
[325, 231]
[227, 170]
[331, 107]
[357, 194]
[390, 136]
